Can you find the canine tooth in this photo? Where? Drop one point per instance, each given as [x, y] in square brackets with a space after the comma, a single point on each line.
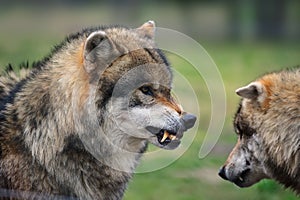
[241, 179]
[166, 135]
[172, 137]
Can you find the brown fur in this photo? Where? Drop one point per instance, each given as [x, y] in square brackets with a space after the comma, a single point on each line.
[268, 125]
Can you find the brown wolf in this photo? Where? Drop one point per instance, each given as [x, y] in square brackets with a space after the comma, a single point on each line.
[267, 123]
[77, 124]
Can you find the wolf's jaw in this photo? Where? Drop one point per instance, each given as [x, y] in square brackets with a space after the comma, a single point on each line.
[167, 135]
[164, 137]
[240, 180]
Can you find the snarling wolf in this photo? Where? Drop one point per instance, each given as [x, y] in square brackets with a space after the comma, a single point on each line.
[267, 123]
[78, 121]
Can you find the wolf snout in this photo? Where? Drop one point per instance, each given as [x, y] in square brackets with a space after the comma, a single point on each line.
[188, 120]
[240, 178]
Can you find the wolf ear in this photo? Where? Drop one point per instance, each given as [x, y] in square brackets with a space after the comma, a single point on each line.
[251, 91]
[147, 29]
[98, 52]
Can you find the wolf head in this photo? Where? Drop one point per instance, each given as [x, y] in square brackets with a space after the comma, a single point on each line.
[131, 81]
[267, 125]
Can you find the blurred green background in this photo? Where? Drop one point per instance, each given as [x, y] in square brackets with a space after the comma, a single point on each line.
[244, 38]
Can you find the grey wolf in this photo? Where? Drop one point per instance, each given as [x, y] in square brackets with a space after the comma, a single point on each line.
[267, 123]
[76, 123]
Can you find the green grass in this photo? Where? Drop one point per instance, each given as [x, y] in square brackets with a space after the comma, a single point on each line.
[189, 177]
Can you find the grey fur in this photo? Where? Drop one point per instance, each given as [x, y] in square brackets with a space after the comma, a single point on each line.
[76, 124]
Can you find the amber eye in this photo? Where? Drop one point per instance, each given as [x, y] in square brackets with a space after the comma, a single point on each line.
[146, 90]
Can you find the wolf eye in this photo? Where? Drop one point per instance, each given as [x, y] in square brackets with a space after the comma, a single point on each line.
[146, 90]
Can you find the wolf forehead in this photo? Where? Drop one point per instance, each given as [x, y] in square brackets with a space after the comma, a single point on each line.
[115, 47]
[272, 87]
[269, 97]
[123, 36]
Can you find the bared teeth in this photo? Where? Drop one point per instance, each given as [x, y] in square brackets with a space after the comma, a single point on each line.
[172, 137]
[166, 135]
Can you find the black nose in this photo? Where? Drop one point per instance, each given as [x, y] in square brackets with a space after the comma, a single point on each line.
[222, 173]
[189, 120]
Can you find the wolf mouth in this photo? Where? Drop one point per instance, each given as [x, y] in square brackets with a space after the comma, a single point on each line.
[164, 137]
[240, 180]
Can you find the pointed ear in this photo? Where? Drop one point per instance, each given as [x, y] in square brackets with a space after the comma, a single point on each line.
[251, 91]
[147, 29]
[99, 51]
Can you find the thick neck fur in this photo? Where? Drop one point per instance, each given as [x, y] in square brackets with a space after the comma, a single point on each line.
[59, 104]
[280, 174]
